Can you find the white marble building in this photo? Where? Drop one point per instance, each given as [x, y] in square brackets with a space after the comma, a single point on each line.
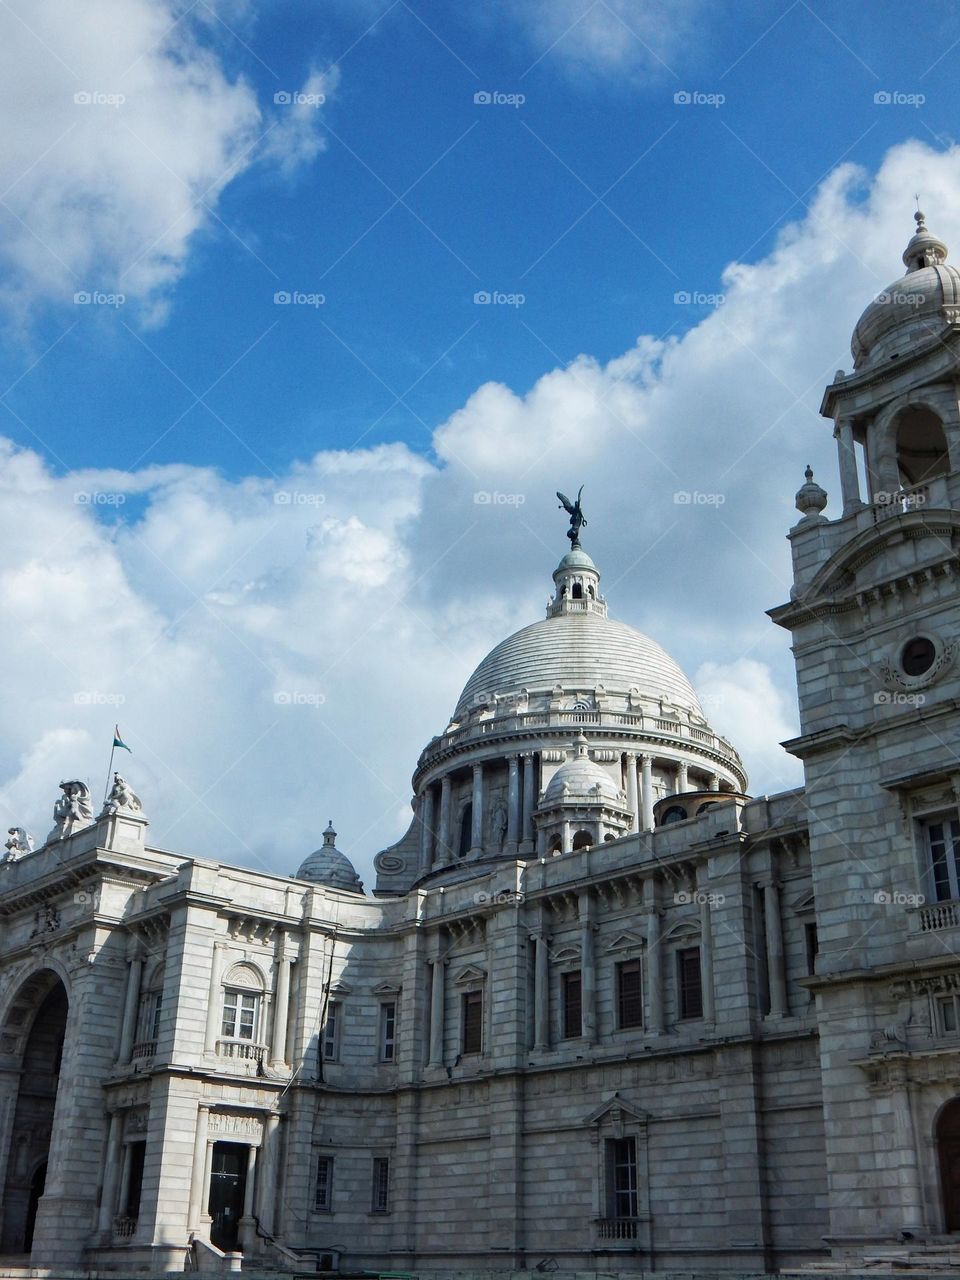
[602, 1007]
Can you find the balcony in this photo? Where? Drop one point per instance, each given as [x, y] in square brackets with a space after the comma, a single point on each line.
[939, 915]
[624, 1229]
[124, 1227]
[144, 1049]
[246, 1054]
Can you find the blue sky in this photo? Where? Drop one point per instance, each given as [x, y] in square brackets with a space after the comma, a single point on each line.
[180, 599]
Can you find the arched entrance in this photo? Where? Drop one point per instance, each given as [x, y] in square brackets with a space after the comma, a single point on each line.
[948, 1146]
[40, 1015]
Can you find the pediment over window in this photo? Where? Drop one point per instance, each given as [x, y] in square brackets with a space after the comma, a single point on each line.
[470, 974]
[565, 953]
[340, 989]
[245, 976]
[626, 941]
[685, 929]
[386, 989]
[615, 1110]
[805, 905]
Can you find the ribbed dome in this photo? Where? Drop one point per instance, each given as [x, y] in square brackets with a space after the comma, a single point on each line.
[327, 865]
[579, 651]
[919, 305]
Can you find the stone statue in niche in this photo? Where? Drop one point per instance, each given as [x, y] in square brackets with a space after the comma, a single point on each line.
[122, 798]
[498, 824]
[73, 810]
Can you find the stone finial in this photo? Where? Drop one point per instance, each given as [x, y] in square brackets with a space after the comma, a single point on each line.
[18, 843]
[811, 499]
[925, 249]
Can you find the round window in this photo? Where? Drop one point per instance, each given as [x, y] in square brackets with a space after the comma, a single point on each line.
[917, 656]
[673, 814]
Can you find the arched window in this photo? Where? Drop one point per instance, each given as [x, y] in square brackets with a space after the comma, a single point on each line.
[466, 831]
[676, 813]
[242, 1001]
[583, 840]
[555, 845]
[921, 446]
[577, 592]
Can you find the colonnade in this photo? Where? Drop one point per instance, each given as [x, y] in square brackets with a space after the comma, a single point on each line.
[439, 841]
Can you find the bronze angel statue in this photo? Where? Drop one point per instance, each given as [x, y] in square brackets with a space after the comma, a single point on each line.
[577, 518]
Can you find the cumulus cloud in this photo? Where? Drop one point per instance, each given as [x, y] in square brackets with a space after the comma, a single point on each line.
[278, 652]
[128, 128]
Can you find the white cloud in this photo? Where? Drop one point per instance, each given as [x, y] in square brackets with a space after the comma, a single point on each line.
[368, 594]
[128, 128]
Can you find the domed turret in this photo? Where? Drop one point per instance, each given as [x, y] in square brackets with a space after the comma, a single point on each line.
[917, 307]
[328, 866]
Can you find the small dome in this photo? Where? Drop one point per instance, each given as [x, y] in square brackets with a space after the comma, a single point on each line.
[576, 558]
[921, 304]
[581, 781]
[328, 866]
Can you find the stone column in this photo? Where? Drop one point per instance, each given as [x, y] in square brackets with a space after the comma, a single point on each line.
[513, 805]
[215, 998]
[646, 792]
[111, 1171]
[541, 992]
[281, 1007]
[476, 830]
[123, 1199]
[425, 810]
[246, 1224]
[205, 1216]
[444, 852]
[566, 838]
[588, 977]
[774, 934]
[527, 842]
[267, 1174]
[847, 457]
[909, 1181]
[654, 962]
[131, 1005]
[706, 949]
[437, 995]
[199, 1168]
[682, 782]
[714, 782]
[633, 803]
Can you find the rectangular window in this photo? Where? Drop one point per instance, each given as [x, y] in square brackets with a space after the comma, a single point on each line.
[239, 1015]
[622, 1198]
[138, 1151]
[471, 1021]
[948, 1015]
[629, 995]
[571, 989]
[388, 1032]
[331, 1032]
[323, 1199]
[688, 983]
[810, 937]
[155, 1015]
[942, 837]
[380, 1202]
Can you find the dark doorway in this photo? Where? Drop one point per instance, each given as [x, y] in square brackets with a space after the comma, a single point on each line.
[466, 831]
[43, 996]
[948, 1144]
[228, 1176]
[37, 1183]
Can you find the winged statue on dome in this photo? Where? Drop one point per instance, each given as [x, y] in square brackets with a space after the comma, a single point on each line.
[577, 518]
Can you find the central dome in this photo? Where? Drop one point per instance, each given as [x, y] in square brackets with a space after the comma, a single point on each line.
[578, 651]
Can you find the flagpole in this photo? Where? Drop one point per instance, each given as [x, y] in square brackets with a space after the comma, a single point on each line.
[106, 789]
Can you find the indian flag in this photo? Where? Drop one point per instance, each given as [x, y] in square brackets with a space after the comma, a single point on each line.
[118, 741]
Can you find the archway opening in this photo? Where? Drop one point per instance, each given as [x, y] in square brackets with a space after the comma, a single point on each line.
[921, 446]
[466, 831]
[948, 1148]
[583, 840]
[33, 1116]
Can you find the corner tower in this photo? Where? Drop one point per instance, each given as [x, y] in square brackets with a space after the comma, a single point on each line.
[875, 619]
